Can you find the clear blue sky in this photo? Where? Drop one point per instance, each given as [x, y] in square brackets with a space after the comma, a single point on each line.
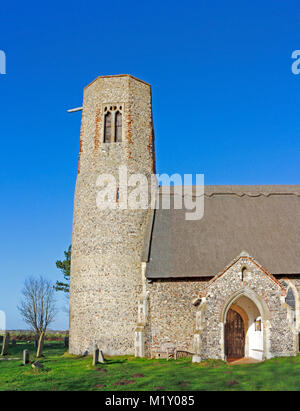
[225, 103]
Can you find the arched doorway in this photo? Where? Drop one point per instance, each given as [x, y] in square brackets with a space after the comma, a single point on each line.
[245, 326]
[234, 335]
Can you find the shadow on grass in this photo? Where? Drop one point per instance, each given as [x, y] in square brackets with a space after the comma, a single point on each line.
[114, 361]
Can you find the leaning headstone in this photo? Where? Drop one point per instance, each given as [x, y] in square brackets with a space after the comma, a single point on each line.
[66, 342]
[101, 357]
[40, 345]
[95, 355]
[37, 365]
[26, 357]
[5, 344]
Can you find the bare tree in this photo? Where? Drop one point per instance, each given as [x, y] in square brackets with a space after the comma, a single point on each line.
[37, 306]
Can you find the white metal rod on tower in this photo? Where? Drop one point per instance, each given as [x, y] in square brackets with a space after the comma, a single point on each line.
[72, 110]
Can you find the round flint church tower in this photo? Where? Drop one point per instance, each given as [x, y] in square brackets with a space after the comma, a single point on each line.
[106, 279]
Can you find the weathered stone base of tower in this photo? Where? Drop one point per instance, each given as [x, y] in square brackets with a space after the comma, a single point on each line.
[106, 285]
[101, 312]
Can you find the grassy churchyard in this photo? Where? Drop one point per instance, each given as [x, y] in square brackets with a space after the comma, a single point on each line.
[62, 371]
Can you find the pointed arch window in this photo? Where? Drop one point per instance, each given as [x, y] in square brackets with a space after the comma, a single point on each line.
[107, 127]
[118, 127]
[113, 123]
[290, 299]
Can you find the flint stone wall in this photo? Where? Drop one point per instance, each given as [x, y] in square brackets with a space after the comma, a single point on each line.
[173, 318]
[278, 334]
[172, 314]
[107, 244]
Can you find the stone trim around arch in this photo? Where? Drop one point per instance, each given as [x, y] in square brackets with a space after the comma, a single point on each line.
[264, 313]
[256, 299]
[263, 289]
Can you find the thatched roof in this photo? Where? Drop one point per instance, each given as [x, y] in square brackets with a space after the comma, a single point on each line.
[262, 220]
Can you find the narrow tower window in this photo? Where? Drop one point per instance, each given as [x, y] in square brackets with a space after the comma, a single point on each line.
[107, 127]
[118, 127]
[112, 123]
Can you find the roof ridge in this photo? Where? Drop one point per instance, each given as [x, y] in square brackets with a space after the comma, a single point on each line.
[238, 194]
[257, 194]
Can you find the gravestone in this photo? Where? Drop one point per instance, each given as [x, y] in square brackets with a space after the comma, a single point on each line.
[5, 344]
[95, 355]
[13, 342]
[66, 342]
[26, 357]
[101, 357]
[40, 345]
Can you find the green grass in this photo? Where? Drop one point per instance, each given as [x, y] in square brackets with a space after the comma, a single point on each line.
[63, 371]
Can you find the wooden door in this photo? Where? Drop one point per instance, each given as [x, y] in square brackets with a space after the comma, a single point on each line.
[234, 335]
